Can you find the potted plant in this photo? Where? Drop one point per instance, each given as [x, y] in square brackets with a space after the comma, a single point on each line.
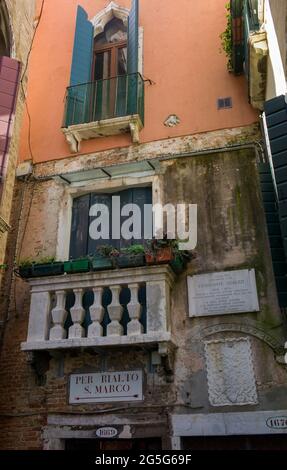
[25, 268]
[180, 260]
[160, 251]
[80, 265]
[47, 267]
[103, 258]
[132, 256]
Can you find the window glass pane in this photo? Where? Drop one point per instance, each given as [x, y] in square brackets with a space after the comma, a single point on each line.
[102, 65]
[122, 61]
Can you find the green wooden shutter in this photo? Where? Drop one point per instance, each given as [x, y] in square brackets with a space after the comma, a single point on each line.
[274, 232]
[276, 120]
[77, 107]
[79, 227]
[83, 49]
[132, 60]
[105, 199]
[81, 244]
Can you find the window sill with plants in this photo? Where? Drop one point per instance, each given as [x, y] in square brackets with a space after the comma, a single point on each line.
[107, 257]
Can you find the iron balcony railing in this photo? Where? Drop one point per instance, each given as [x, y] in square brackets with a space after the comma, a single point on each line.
[105, 99]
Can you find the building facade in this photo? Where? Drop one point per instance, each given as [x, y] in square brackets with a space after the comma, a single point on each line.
[16, 29]
[147, 355]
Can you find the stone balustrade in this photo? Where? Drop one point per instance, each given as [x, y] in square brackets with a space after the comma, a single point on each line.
[96, 309]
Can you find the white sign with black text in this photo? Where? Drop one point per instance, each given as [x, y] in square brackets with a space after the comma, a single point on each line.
[106, 387]
[224, 292]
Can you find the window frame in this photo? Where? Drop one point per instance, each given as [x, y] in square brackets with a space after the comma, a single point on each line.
[100, 186]
[113, 47]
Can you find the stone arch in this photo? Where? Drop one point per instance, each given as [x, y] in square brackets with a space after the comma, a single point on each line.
[107, 14]
[274, 343]
[5, 31]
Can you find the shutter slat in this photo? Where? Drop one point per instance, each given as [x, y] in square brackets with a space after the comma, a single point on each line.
[274, 105]
[279, 130]
[281, 175]
[278, 145]
[276, 118]
[280, 159]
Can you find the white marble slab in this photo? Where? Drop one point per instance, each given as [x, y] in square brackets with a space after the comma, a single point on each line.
[222, 293]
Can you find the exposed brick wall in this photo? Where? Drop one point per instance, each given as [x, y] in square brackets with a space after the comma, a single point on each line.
[231, 206]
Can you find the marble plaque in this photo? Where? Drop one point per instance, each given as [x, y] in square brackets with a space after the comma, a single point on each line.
[222, 293]
[230, 373]
[106, 387]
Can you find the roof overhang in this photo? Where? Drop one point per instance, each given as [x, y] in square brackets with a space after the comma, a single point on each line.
[135, 169]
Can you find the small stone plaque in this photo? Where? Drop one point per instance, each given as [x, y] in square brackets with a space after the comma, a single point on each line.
[222, 293]
[106, 387]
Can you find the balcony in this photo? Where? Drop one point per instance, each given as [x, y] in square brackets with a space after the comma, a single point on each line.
[255, 52]
[107, 309]
[104, 108]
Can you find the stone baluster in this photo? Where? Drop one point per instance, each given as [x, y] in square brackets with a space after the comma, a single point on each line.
[97, 314]
[78, 315]
[115, 313]
[59, 315]
[134, 326]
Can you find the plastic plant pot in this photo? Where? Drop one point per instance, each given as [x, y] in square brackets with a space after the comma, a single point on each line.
[131, 260]
[100, 263]
[177, 265]
[25, 271]
[77, 266]
[48, 269]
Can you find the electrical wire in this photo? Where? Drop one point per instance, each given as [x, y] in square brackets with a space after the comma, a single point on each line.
[22, 78]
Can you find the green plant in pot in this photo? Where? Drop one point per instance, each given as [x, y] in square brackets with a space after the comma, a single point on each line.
[25, 268]
[103, 258]
[159, 251]
[47, 267]
[132, 256]
[180, 259]
[43, 267]
[79, 265]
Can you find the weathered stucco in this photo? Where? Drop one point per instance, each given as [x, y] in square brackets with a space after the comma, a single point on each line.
[231, 234]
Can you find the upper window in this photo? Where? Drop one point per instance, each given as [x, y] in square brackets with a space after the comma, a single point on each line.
[105, 83]
[110, 51]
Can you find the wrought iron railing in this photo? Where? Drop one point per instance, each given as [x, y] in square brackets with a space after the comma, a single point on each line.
[105, 99]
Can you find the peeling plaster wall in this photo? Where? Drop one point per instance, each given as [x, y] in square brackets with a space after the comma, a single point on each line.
[231, 234]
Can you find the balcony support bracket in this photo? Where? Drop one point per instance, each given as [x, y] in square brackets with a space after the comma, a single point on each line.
[120, 125]
[166, 350]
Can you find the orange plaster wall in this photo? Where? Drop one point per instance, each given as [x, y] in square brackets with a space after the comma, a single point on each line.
[181, 55]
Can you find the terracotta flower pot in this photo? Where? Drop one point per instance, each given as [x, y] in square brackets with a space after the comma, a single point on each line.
[164, 254]
[150, 258]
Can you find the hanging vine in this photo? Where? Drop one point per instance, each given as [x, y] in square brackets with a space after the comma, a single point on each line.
[226, 38]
